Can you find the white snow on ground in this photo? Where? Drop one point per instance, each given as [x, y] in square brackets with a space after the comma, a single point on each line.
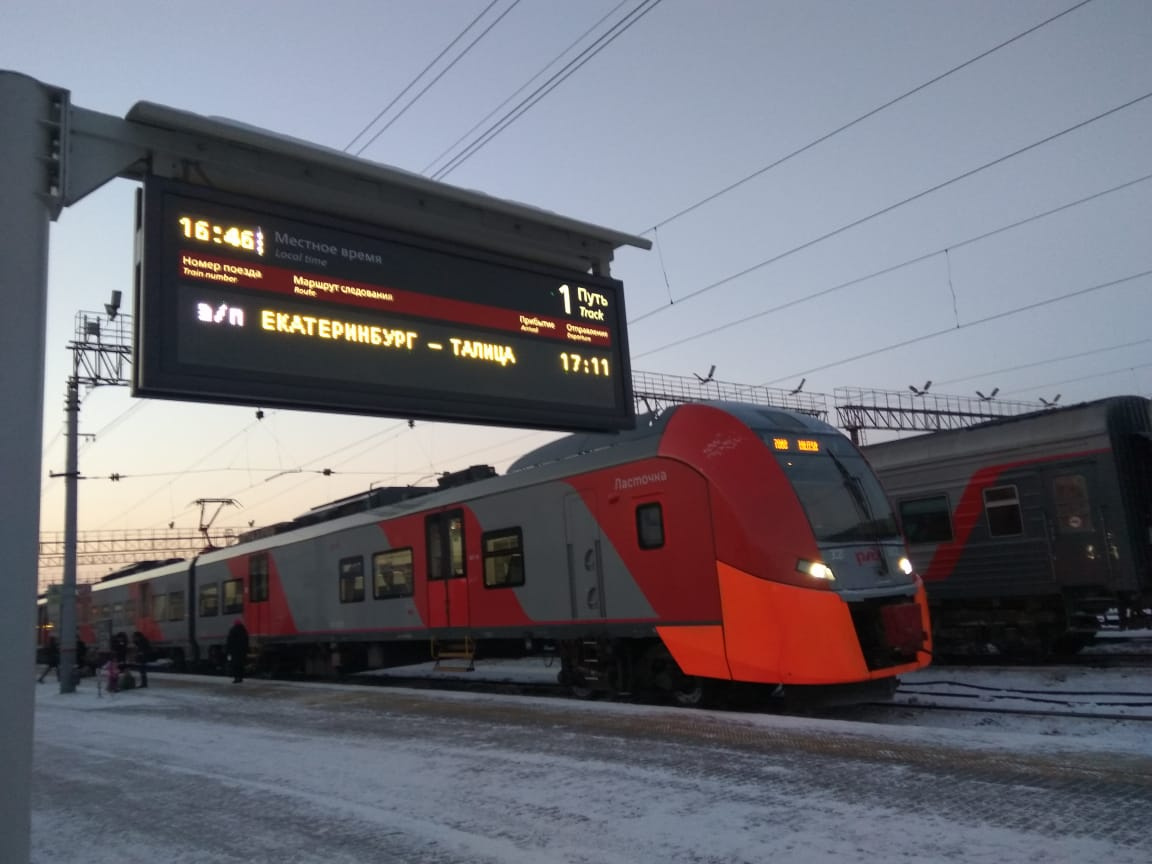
[216, 773]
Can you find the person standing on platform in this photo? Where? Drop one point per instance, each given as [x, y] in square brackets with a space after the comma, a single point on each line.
[143, 649]
[120, 649]
[118, 666]
[237, 648]
[51, 658]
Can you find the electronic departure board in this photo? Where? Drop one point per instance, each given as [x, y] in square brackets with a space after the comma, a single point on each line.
[249, 302]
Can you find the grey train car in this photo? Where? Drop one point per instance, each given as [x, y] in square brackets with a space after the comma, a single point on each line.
[1026, 530]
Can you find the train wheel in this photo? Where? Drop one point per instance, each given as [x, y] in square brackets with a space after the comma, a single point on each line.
[689, 692]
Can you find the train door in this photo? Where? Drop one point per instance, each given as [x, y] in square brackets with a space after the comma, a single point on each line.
[585, 562]
[257, 607]
[1080, 540]
[447, 582]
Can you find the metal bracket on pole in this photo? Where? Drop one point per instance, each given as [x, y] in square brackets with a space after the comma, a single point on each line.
[55, 160]
[100, 148]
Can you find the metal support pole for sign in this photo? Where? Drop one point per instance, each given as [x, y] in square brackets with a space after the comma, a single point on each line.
[30, 162]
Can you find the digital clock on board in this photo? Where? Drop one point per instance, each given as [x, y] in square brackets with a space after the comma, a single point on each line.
[236, 236]
[578, 363]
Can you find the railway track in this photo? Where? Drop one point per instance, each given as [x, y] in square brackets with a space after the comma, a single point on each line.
[935, 696]
[1109, 652]
[951, 695]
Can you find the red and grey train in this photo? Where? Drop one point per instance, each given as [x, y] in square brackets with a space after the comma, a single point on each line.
[1026, 530]
[715, 542]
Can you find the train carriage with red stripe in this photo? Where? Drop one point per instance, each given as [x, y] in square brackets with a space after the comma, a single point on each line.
[1028, 529]
[714, 543]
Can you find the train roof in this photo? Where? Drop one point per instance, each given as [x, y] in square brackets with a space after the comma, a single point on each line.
[1067, 427]
[549, 462]
[651, 426]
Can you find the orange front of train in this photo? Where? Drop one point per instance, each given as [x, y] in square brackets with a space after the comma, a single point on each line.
[814, 584]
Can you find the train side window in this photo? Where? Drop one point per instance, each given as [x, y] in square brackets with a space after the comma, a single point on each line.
[392, 573]
[129, 611]
[1002, 507]
[159, 607]
[258, 578]
[650, 526]
[926, 520]
[352, 580]
[233, 596]
[445, 536]
[1073, 507]
[117, 613]
[176, 606]
[209, 600]
[503, 558]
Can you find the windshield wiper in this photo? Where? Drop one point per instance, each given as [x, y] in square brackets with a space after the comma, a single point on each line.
[863, 505]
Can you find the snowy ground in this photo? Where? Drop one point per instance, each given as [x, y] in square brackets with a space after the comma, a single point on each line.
[200, 771]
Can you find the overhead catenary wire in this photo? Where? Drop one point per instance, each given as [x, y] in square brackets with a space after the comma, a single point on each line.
[121, 417]
[1129, 368]
[392, 431]
[891, 207]
[953, 329]
[441, 74]
[210, 452]
[548, 86]
[381, 436]
[953, 246]
[523, 87]
[45, 488]
[420, 75]
[871, 113]
[1079, 354]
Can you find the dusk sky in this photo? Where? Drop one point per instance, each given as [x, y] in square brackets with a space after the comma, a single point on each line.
[990, 162]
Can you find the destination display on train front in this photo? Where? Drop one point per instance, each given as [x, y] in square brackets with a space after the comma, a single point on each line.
[242, 301]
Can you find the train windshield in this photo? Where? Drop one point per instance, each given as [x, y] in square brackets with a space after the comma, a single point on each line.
[841, 496]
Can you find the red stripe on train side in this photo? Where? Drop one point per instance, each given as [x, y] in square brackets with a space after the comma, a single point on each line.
[270, 618]
[678, 578]
[485, 607]
[971, 507]
[759, 525]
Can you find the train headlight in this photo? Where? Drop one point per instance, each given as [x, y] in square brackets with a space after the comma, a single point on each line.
[905, 566]
[816, 569]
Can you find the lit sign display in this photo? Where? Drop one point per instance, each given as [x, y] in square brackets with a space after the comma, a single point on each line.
[804, 445]
[247, 302]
